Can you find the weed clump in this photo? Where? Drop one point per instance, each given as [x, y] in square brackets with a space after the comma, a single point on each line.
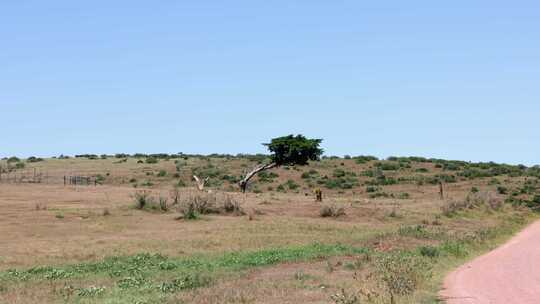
[401, 273]
[191, 207]
[184, 282]
[472, 201]
[142, 199]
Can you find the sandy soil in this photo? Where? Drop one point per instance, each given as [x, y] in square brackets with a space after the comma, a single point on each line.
[509, 274]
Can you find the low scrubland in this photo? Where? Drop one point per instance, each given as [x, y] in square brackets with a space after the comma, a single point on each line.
[384, 232]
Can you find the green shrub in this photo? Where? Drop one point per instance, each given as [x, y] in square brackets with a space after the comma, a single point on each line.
[152, 160]
[292, 185]
[379, 194]
[343, 183]
[371, 189]
[162, 173]
[403, 195]
[189, 211]
[13, 159]
[147, 183]
[142, 199]
[387, 166]
[267, 177]
[494, 181]
[445, 178]
[429, 251]
[310, 174]
[382, 180]
[342, 173]
[185, 282]
[99, 179]
[364, 159]
[454, 248]
[33, 159]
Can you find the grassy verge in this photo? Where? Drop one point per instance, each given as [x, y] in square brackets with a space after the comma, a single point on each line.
[409, 274]
[148, 278]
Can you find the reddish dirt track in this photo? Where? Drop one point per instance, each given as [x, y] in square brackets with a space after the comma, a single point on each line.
[509, 274]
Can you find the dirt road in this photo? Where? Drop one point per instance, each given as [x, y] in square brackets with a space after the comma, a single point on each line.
[508, 275]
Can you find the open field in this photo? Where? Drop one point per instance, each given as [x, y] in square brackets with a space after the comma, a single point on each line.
[394, 241]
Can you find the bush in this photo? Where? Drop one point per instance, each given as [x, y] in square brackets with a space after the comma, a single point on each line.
[342, 173]
[401, 273]
[188, 211]
[292, 185]
[310, 174]
[364, 159]
[13, 159]
[152, 160]
[264, 177]
[99, 179]
[232, 206]
[371, 189]
[162, 173]
[403, 195]
[502, 190]
[33, 159]
[429, 251]
[382, 180]
[387, 166]
[332, 211]
[197, 204]
[142, 199]
[185, 282]
[533, 203]
[379, 194]
[472, 201]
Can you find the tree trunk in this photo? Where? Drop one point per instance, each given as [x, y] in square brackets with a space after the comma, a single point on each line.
[244, 182]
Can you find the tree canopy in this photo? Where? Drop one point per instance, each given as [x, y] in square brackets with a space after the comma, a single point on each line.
[294, 150]
[287, 150]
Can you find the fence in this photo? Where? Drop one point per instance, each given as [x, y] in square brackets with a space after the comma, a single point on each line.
[80, 180]
[24, 176]
[37, 176]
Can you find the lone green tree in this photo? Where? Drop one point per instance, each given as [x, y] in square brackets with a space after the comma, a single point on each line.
[287, 150]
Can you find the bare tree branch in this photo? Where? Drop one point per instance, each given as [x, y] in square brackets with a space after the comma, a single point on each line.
[244, 182]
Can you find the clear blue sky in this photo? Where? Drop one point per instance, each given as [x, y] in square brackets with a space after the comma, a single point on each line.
[451, 79]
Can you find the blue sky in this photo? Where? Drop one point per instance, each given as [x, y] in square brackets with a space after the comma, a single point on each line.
[457, 80]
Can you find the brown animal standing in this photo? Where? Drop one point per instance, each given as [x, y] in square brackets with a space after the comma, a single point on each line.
[318, 195]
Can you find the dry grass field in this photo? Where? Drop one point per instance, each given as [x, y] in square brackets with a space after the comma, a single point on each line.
[386, 234]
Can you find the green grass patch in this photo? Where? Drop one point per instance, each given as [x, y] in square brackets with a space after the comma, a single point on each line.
[151, 276]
